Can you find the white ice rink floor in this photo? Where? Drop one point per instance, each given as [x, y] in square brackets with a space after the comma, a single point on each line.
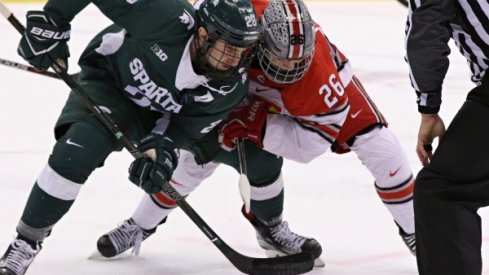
[332, 199]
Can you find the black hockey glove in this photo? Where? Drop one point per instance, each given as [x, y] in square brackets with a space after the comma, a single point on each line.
[150, 174]
[44, 35]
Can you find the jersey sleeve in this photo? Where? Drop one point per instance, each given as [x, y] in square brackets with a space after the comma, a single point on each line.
[197, 118]
[427, 50]
[66, 9]
[143, 19]
[309, 113]
[297, 139]
[186, 130]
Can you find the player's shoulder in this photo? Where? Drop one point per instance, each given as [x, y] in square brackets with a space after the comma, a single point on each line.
[175, 20]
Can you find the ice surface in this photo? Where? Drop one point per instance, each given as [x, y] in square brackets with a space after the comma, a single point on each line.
[332, 199]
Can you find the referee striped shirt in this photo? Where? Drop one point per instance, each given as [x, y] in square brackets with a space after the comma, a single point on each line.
[429, 27]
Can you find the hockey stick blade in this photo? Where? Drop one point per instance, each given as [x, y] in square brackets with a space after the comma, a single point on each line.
[246, 265]
[287, 265]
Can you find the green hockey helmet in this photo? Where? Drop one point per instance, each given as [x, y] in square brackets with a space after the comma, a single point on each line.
[233, 22]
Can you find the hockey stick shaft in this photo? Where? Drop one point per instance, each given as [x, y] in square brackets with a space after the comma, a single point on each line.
[293, 264]
[243, 168]
[244, 183]
[30, 69]
[23, 67]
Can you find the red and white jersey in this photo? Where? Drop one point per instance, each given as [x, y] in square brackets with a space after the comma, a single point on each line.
[315, 106]
[309, 115]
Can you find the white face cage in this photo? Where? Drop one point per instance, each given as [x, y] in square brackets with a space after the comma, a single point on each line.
[287, 46]
[282, 70]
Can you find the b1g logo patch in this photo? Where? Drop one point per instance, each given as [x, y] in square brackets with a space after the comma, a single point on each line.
[159, 52]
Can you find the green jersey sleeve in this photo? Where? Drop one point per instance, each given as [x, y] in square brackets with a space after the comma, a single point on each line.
[143, 19]
[197, 119]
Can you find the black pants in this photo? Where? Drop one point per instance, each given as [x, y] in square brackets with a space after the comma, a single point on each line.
[448, 193]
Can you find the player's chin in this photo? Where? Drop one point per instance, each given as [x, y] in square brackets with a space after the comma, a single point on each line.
[225, 67]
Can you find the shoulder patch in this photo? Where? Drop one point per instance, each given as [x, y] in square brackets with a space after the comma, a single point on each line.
[159, 52]
[187, 19]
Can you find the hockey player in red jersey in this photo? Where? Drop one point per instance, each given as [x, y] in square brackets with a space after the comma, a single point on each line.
[306, 97]
[364, 131]
[300, 88]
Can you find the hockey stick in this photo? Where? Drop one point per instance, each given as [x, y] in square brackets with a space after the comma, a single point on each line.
[30, 69]
[287, 265]
[23, 67]
[244, 183]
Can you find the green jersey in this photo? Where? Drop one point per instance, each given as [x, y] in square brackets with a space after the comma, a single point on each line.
[146, 54]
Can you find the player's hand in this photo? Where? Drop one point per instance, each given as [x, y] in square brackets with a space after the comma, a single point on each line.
[246, 121]
[44, 35]
[431, 127]
[157, 167]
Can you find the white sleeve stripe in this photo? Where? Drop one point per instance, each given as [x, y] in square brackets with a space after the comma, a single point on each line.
[474, 21]
[56, 185]
[423, 99]
[409, 25]
[346, 74]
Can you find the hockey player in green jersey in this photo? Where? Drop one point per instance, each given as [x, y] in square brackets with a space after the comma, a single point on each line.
[165, 73]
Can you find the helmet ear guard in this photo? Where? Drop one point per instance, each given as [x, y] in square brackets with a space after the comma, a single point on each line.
[288, 37]
[233, 22]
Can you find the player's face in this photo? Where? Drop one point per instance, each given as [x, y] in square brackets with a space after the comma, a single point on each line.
[283, 64]
[223, 56]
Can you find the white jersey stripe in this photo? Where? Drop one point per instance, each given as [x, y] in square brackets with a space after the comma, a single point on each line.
[474, 20]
